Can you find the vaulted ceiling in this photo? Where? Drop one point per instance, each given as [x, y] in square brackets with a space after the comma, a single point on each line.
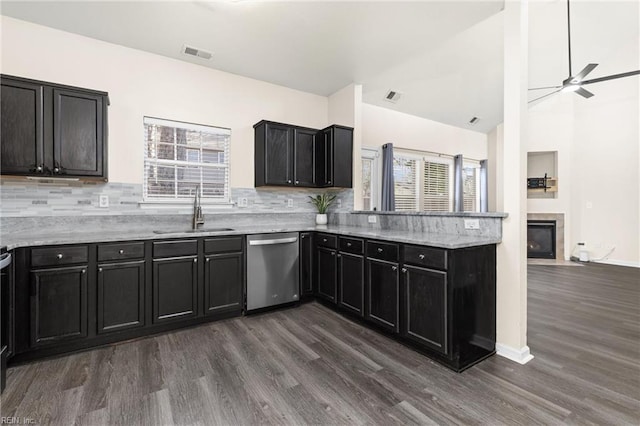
[445, 57]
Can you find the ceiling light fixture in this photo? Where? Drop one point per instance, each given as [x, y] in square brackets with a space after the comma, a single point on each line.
[570, 88]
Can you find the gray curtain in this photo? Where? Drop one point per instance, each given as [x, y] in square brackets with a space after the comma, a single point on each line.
[484, 187]
[388, 202]
[458, 184]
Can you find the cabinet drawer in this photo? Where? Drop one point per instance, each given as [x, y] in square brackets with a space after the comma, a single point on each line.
[52, 256]
[351, 245]
[175, 248]
[383, 251]
[327, 240]
[429, 257]
[222, 245]
[120, 251]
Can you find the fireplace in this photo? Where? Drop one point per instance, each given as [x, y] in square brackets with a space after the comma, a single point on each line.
[541, 239]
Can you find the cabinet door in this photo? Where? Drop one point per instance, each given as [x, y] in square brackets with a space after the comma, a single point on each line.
[278, 155]
[306, 263]
[120, 296]
[351, 282]
[327, 274]
[175, 282]
[383, 294]
[304, 154]
[342, 170]
[324, 158]
[425, 307]
[223, 283]
[21, 131]
[58, 305]
[77, 133]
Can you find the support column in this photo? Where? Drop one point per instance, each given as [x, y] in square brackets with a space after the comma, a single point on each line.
[511, 157]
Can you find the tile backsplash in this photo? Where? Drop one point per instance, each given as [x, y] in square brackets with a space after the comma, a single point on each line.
[23, 197]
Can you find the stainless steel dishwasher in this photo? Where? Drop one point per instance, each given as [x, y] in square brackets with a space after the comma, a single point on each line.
[272, 269]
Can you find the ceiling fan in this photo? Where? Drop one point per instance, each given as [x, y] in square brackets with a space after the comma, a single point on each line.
[574, 83]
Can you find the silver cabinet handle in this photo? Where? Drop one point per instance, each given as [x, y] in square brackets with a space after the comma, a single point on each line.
[195, 260]
[121, 251]
[302, 237]
[297, 182]
[56, 170]
[329, 182]
[289, 181]
[379, 250]
[84, 271]
[99, 269]
[208, 260]
[421, 256]
[348, 244]
[339, 255]
[59, 256]
[394, 268]
[333, 253]
[39, 169]
[324, 240]
[404, 270]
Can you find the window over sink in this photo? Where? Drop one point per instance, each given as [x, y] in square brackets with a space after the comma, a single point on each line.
[180, 156]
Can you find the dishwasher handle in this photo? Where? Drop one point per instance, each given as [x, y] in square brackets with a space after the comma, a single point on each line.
[5, 261]
[273, 242]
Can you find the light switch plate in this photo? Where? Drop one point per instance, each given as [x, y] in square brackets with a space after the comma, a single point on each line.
[104, 201]
[372, 219]
[290, 203]
[472, 224]
[243, 202]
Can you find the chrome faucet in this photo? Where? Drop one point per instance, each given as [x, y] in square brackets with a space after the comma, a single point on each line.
[198, 218]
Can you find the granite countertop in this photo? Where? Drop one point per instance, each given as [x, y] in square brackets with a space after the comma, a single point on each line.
[44, 238]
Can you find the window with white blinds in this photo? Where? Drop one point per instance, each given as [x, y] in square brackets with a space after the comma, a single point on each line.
[436, 188]
[471, 189]
[405, 176]
[180, 156]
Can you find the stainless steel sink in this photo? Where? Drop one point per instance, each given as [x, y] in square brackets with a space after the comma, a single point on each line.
[189, 231]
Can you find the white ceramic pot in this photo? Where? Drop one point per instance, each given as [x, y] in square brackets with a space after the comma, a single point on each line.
[321, 219]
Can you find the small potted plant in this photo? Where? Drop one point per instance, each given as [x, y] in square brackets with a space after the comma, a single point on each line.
[322, 203]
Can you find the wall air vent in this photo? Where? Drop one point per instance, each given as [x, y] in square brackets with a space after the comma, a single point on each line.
[194, 51]
[392, 96]
[474, 120]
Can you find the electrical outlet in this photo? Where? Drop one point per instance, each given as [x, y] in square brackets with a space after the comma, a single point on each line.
[243, 202]
[104, 201]
[290, 203]
[472, 224]
[372, 219]
[339, 203]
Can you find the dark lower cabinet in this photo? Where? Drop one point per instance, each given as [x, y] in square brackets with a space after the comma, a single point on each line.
[223, 283]
[58, 305]
[425, 307]
[120, 296]
[383, 294]
[351, 282]
[175, 288]
[327, 274]
[306, 263]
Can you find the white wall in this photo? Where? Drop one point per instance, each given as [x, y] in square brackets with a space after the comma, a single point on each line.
[141, 83]
[381, 125]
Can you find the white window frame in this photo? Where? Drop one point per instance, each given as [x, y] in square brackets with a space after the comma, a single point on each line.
[169, 200]
[367, 153]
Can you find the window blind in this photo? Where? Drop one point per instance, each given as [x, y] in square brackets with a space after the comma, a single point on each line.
[405, 183]
[180, 156]
[436, 190]
[470, 186]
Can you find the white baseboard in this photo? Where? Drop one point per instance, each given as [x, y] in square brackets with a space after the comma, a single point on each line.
[619, 262]
[521, 356]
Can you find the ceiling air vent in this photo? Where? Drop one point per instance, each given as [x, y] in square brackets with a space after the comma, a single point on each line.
[194, 51]
[392, 96]
[474, 120]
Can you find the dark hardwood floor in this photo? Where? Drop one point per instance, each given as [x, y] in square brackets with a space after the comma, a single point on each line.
[308, 365]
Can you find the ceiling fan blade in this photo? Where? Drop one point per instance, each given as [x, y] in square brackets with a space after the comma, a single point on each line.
[584, 92]
[548, 87]
[582, 74]
[611, 77]
[542, 97]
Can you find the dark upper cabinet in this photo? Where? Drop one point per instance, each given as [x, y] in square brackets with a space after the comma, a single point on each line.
[327, 268]
[383, 294]
[334, 151]
[425, 307]
[223, 283]
[306, 263]
[175, 288]
[77, 134]
[120, 296]
[53, 130]
[287, 155]
[22, 127]
[58, 305]
[351, 282]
